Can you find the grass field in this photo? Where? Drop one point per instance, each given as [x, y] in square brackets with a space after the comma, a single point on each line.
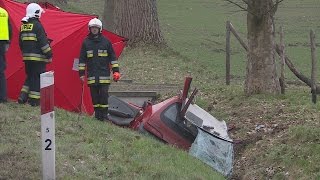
[196, 29]
[89, 149]
[287, 147]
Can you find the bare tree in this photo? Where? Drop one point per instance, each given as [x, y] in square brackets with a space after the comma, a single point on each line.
[135, 19]
[261, 75]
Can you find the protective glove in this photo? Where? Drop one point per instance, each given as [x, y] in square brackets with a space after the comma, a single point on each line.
[116, 76]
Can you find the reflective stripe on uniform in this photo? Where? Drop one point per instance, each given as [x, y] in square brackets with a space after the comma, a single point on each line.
[90, 53]
[4, 25]
[29, 37]
[102, 53]
[100, 105]
[25, 89]
[34, 57]
[96, 105]
[104, 79]
[46, 48]
[91, 80]
[104, 105]
[114, 64]
[82, 66]
[34, 95]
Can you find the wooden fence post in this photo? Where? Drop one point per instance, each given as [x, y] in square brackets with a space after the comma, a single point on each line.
[236, 34]
[282, 56]
[314, 67]
[228, 53]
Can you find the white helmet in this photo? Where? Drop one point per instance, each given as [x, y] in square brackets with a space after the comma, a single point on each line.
[34, 10]
[95, 23]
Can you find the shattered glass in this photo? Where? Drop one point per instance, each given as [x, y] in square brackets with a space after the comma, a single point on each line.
[213, 151]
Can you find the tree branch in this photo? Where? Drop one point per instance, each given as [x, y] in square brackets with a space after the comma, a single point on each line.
[246, 2]
[274, 7]
[295, 71]
[241, 7]
[239, 10]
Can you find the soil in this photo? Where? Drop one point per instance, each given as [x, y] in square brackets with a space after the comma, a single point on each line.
[249, 125]
[253, 134]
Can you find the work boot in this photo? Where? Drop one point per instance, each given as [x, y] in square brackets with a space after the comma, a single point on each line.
[105, 115]
[34, 102]
[98, 114]
[23, 98]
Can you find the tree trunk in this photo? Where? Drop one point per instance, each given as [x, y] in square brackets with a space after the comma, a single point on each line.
[261, 74]
[136, 20]
[55, 2]
[108, 15]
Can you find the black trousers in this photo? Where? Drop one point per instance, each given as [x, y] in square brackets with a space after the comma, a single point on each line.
[3, 81]
[31, 85]
[99, 96]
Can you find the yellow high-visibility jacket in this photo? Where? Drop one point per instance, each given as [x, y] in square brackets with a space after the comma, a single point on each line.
[5, 29]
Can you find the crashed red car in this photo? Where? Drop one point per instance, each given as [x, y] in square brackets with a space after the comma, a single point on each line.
[178, 122]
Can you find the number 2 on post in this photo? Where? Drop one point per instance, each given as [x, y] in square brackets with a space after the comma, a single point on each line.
[48, 148]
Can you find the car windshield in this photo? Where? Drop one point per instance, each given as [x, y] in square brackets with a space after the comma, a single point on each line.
[171, 117]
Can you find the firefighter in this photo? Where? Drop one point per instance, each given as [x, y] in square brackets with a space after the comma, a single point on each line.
[5, 36]
[36, 52]
[97, 56]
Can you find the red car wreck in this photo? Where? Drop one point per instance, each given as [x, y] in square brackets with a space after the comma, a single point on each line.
[178, 122]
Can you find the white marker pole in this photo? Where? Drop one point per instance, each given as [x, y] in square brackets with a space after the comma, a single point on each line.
[47, 125]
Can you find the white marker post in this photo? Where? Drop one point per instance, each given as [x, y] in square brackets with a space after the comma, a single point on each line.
[47, 125]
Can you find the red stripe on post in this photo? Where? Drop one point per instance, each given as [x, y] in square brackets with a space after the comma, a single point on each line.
[47, 99]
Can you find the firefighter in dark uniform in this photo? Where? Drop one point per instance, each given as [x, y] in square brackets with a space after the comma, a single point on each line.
[97, 56]
[5, 36]
[36, 52]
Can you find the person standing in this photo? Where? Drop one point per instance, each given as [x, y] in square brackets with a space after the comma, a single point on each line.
[36, 52]
[5, 36]
[97, 56]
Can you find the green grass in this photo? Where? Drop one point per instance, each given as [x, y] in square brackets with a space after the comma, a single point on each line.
[297, 154]
[89, 149]
[195, 34]
[196, 29]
